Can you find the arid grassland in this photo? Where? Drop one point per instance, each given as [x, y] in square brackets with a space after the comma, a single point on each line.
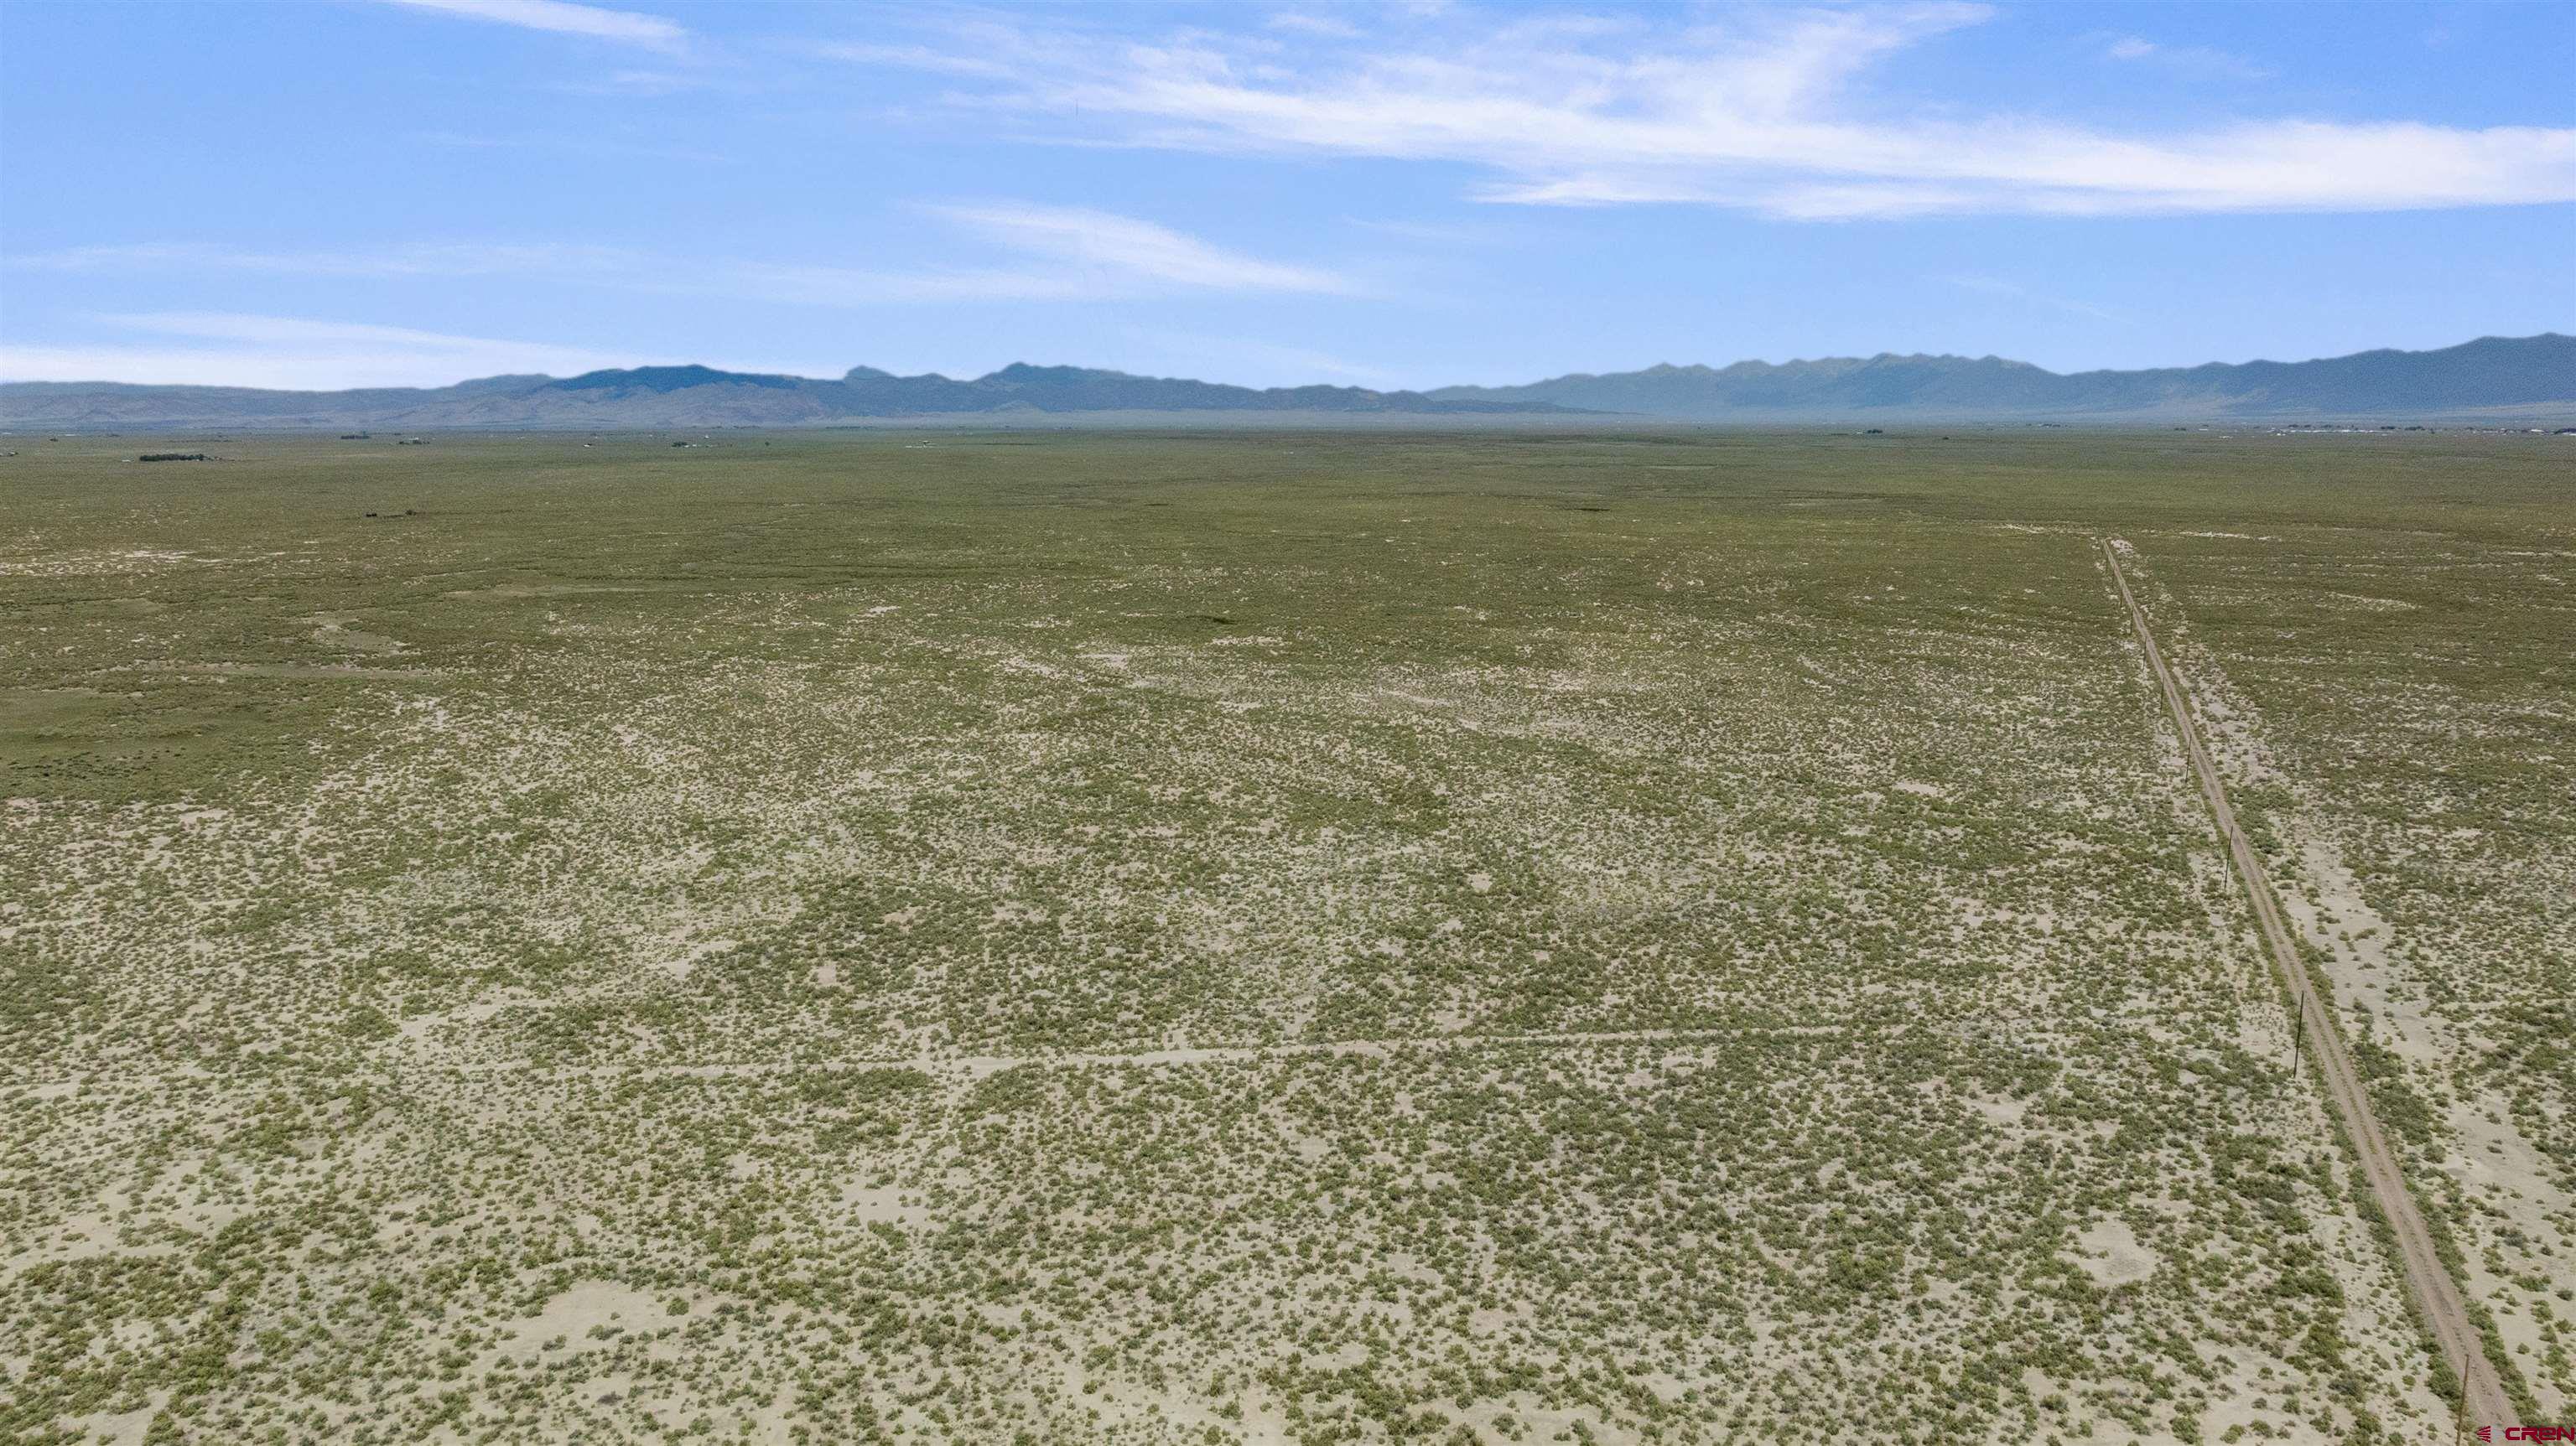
[1302, 937]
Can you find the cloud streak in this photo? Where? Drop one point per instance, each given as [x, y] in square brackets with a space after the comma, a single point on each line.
[431, 259]
[562, 18]
[2200, 61]
[1062, 254]
[1765, 114]
[290, 353]
[1099, 242]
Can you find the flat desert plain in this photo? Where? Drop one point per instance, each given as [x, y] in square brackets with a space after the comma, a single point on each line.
[1278, 937]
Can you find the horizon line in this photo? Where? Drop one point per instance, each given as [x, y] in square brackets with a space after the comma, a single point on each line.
[648, 366]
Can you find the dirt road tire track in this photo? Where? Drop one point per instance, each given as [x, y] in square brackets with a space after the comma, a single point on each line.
[2428, 1282]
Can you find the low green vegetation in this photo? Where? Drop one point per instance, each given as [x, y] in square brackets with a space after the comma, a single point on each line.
[1267, 937]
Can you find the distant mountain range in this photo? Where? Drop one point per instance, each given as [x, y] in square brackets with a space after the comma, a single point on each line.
[2496, 376]
[695, 396]
[2485, 375]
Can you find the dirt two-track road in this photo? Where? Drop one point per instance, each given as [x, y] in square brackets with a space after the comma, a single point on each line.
[2435, 1294]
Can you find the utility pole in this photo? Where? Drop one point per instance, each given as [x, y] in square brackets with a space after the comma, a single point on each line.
[2460, 1411]
[2298, 1036]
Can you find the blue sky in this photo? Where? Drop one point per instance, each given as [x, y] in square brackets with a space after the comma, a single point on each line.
[410, 192]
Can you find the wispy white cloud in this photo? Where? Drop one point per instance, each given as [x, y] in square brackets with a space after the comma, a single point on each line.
[563, 18]
[424, 259]
[1308, 23]
[290, 330]
[915, 57]
[2205, 62]
[1765, 113]
[643, 84]
[1447, 233]
[243, 349]
[1099, 243]
[246, 350]
[1057, 254]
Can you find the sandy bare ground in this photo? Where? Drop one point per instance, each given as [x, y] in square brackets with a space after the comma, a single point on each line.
[976, 1066]
[2428, 1283]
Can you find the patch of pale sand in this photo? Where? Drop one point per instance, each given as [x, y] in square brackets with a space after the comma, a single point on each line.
[80, 564]
[773, 1423]
[827, 975]
[2262, 1030]
[535, 589]
[2501, 1168]
[419, 1027]
[332, 630]
[96, 1233]
[697, 952]
[86, 1236]
[1921, 790]
[1819, 674]
[1112, 1407]
[882, 1205]
[317, 671]
[2230, 1410]
[1539, 1421]
[2492, 1159]
[2361, 967]
[2110, 1252]
[2229, 723]
[210, 1216]
[1416, 699]
[120, 1429]
[2376, 1317]
[2001, 1113]
[576, 1310]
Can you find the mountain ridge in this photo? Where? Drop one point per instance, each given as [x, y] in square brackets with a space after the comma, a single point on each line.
[2490, 374]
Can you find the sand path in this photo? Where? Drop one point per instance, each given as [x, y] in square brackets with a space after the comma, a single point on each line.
[2436, 1296]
